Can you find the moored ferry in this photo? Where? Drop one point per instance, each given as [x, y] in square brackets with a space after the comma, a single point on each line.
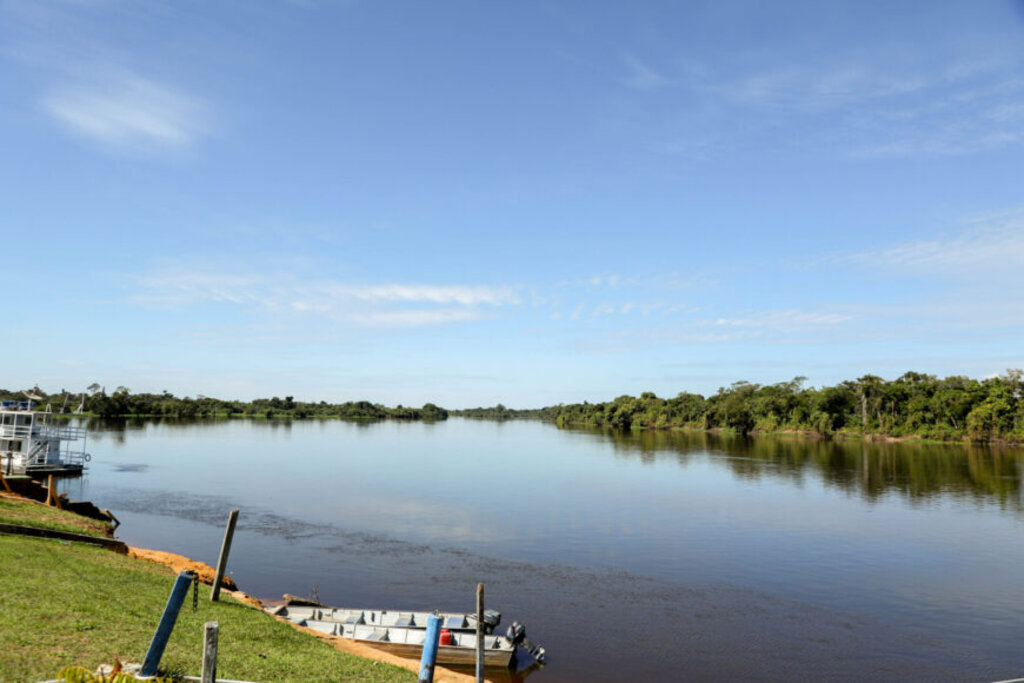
[38, 442]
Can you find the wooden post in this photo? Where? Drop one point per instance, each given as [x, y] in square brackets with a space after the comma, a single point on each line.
[429, 657]
[212, 629]
[479, 633]
[7, 487]
[166, 625]
[51, 495]
[225, 548]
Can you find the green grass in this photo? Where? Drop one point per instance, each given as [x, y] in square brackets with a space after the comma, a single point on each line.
[30, 513]
[67, 604]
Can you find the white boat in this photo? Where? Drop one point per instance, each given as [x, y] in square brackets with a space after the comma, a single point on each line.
[34, 442]
[454, 647]
[453, 621]
[403, 633]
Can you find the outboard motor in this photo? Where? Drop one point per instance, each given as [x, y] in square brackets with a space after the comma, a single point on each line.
[517, 635]
[491, 619]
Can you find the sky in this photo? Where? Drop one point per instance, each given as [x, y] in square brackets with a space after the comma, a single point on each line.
[519, 202]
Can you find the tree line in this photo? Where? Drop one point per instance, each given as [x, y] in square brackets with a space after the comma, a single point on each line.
[913, 405]
[123, 403]
[500, 413]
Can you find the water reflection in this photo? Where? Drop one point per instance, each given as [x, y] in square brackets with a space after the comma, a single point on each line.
[918, 472]
[664, 552]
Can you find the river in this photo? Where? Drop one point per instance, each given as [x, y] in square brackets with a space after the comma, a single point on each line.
[628, 556]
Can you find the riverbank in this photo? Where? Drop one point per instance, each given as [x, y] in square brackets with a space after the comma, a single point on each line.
[180, 563]
[76, 604]
[807, 434]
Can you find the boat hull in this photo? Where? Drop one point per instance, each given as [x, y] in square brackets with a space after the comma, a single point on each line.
[408, 642]
[453, 621]
[445, 654]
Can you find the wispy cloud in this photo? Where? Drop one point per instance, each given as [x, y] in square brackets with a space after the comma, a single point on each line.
[370, 305]
[95, 82]
[782, 320]
[174, 287]
[983, 248]
[416, 318]
[127, 112]
[780, 327]
[880, 102]
[641, 75]
[464, 295]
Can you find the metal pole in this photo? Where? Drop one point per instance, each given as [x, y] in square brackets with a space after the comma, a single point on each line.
[225, 548]
[479, 633]
[166, 625]
[429, 657]
[212, 629]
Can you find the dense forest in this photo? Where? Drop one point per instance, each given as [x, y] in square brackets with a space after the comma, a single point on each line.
[914, 404]
[123, 403]
[500, 412]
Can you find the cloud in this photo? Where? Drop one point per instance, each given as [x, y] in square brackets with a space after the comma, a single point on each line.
[387, 305]
[642, 76]
[467, 296]
[172, 288]
[876, 101]
[986, 247]
[783, 320]
[127, 112]
[419, 318]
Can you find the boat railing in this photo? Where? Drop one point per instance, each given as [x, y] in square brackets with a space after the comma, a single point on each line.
[62, 432]
[15, 431]
[44, 431]
[38, 453]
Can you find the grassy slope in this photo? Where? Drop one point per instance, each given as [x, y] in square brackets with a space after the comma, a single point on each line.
[30, 513]
[64, 604]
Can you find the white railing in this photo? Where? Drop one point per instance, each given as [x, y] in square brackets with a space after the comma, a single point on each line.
[38, 453]
[15, 431]
[62, 432]
[44, 431]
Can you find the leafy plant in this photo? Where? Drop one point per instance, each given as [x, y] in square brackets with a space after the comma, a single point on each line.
[79, 674]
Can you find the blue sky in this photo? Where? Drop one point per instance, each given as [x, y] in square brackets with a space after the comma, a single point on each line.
[518, 202]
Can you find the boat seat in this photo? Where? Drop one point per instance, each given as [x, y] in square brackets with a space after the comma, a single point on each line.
[327, 627]
[455, 622]
[379, 635]
[355, 619]
[406, 620]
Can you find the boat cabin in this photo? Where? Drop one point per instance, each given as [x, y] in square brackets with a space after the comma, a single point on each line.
[36, 442]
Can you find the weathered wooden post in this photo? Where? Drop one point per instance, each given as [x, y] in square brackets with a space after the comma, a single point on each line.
[51, 494]
[479, 633]
[166, 625]
[429, 657]
[225, 548]
[212, 629]
[7, 487]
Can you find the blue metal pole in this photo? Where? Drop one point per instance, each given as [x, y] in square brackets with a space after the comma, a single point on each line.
[430, 649]
[163, 630]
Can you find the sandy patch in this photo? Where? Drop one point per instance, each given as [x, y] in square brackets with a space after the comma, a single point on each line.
[180, 563]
